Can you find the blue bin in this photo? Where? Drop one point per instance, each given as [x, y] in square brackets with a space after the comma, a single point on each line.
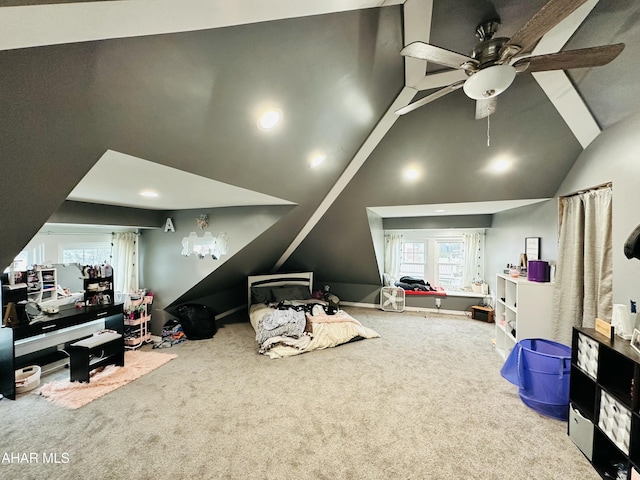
[541, 370]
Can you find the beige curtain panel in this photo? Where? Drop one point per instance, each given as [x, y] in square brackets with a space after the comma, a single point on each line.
[584, 276]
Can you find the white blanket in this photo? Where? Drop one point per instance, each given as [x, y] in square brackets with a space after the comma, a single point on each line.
[340, 329]
[278, 323]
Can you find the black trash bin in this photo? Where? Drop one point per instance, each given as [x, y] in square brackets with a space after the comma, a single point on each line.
[198, 321]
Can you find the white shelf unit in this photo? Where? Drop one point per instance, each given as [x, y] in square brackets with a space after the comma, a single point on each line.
[42, 284]
[523, 309]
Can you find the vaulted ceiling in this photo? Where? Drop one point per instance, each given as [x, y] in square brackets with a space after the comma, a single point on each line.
[180, 84]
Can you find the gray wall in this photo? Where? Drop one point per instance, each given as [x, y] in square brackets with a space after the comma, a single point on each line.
[369, 293]
[92, 214]
[182, 100]
[169, 274]
[613, 157]
[187, 100]
[376, 226]
[504, 241]
[438, 222]
[340, 248]
[50, 137]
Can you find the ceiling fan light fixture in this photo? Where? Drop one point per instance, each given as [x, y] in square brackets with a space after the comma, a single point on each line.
[489, 82]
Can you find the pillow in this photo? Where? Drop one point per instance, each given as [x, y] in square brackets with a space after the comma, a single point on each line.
[260, 294]
[293, 292]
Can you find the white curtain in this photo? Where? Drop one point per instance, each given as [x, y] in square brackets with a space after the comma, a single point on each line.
[584, 276]
[392, 254]
[125, 262]
[472, 259]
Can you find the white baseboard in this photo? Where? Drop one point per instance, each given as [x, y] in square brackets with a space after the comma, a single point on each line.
[231, 311]
[407, 308]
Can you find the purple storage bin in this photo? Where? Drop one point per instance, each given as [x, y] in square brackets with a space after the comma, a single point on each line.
[538, 271]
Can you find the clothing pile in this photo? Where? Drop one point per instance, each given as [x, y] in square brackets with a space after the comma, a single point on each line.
[172, 334]
[288, 325]
[415, 284]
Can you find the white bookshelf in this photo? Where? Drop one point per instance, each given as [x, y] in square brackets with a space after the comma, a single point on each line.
[42, 284]
[523, 309]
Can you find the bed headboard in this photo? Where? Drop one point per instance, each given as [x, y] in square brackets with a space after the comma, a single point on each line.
[279, 280]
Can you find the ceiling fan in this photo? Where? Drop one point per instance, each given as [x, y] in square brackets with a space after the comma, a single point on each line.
[490, 69]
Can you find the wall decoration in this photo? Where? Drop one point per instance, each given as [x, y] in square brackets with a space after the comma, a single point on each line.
[532, 248]
[207, 244]
[168, 226]
[203, 221]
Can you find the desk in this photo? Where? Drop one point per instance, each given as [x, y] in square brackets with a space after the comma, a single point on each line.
[35, 343]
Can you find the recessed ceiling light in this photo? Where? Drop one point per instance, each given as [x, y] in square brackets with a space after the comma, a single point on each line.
[411, 173]
[501, 165]
[149, 194]
[270, 119]
[317, 159]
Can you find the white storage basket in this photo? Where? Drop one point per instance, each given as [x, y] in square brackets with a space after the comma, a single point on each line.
[588, 355]
[27, 378]
[615, 421]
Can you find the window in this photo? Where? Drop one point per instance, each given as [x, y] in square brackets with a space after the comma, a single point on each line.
[450, 262]
[32, 255]
[88, 254]
[21, 262]
[412, 261]
[439, 256]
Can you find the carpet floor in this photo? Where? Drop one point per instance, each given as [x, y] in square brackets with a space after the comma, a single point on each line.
[73, 395]
[424, 401]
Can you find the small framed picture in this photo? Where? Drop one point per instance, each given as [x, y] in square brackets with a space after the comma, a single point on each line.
[635, 340]
[532, 248]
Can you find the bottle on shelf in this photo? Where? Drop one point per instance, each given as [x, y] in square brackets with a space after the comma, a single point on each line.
[98, 286]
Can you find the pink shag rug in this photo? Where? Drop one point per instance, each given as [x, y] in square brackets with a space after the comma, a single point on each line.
[76, 394]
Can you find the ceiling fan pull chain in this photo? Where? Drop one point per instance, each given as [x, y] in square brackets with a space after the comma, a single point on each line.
[488, 131]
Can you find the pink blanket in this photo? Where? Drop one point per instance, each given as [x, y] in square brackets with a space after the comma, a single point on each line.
[340, 316]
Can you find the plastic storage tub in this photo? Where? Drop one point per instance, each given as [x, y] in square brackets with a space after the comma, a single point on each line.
[541, 369]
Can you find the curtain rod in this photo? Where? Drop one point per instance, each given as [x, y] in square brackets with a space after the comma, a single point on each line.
[592, 189]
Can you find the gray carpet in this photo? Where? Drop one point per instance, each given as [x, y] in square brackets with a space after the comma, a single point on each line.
[425, 401]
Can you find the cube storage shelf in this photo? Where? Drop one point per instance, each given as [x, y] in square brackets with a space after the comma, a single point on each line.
[604, 399]
[523, 309]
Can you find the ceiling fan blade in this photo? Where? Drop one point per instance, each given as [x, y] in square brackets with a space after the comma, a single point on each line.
[486, 107]
[429, 98]
[440, 79]
[547, 17]
[582, 58]
[438, 55]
